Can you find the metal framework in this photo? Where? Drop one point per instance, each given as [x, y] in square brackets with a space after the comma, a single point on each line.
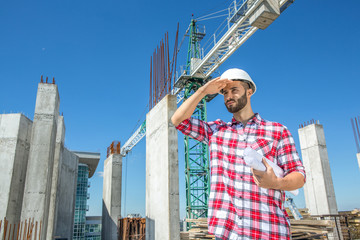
[197, 184]
[238, 30]
[197, 181]
[134, 139]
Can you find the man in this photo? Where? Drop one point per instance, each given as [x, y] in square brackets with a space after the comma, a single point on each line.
[244, 203]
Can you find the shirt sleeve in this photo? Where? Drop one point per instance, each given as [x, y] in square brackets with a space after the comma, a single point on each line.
[288, 157]
[197, 129]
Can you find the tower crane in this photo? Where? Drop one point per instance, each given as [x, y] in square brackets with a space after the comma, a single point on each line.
[243, 19]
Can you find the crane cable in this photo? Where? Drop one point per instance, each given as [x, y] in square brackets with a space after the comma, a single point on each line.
[204, 17]
[213, 17]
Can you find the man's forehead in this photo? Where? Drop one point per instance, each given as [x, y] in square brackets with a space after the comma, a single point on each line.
[233, 84]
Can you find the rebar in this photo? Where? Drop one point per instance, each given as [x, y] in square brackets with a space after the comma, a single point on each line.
[162, 75]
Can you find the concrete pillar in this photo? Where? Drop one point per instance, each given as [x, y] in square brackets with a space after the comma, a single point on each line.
[111, 209]
[358, 158]
[15, 135]
[41, 157]
[162, 173]
[55, 188]
[319, 190]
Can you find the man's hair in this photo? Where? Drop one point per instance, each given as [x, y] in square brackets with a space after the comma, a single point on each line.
[246, 84]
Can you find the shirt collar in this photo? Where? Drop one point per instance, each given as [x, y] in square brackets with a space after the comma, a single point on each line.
[255, 119]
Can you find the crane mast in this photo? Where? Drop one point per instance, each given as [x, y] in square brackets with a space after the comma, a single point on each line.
[197, 182]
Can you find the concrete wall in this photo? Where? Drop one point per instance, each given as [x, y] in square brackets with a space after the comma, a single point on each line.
[111, 209]
[319, 190]
[41, 157]
[67, 195]
[15, 134]
[55, 184]
[162, 175]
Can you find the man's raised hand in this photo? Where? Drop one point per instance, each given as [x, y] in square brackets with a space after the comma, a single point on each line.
[215, 85]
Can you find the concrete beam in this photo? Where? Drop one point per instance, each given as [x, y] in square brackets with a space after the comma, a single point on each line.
[162, 173]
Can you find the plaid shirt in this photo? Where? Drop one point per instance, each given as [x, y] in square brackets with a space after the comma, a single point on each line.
[238, 208]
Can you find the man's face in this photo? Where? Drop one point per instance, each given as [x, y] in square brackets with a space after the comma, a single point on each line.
[235, 96]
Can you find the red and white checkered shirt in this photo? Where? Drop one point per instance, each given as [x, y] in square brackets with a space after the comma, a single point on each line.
[238, 208]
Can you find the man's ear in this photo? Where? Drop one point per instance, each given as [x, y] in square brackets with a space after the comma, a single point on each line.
[249, 92]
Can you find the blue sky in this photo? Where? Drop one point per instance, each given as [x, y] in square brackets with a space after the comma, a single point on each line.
[306, 66]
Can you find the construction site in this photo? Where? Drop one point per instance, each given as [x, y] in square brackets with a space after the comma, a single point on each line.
[151, 181]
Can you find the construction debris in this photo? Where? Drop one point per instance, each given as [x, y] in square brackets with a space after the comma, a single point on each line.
[131, 228]
[198, 231]
[300, 229]
[353, 223]
[310, 227]
[348, 221]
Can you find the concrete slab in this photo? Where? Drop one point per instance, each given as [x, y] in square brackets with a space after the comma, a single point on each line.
[91, 159]
[162, 173]
[111, 209]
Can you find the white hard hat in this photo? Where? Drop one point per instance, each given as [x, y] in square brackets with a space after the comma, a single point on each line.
[238, 74]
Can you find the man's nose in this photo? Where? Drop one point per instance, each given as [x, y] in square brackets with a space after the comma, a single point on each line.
[227, 96]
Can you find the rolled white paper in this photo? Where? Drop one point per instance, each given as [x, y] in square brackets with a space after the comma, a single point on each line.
[254, 160]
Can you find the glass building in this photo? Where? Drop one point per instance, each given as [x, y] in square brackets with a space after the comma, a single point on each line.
[93, 228]
[88, 162]
[80, 202]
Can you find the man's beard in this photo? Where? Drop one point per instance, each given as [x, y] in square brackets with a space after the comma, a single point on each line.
[240, 104]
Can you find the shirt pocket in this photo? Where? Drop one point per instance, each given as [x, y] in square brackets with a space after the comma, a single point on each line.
[264, 147]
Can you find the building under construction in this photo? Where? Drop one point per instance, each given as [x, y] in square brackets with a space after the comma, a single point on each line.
[40, 173]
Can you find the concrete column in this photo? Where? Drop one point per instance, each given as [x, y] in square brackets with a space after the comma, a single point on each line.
[55, 188]
[111, 209]
[15, 135]
[319, 190]
[162, 173]
[41, 157]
